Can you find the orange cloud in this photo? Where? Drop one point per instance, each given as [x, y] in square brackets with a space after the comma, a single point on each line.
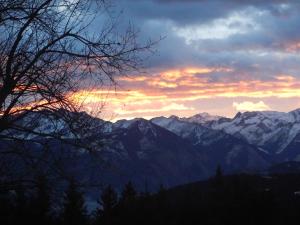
[293, 47]
[174, 91]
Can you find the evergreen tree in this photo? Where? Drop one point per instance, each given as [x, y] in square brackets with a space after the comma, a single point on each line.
[41, 202]
[128, 205]
[161, 206]
[145, 194]
[21, 206]
[129, 193]
[219, 180]
[74, 211]
[6, 208]
[161, 195]
[108, 200]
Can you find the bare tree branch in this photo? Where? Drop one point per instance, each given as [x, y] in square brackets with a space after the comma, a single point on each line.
[47, 54]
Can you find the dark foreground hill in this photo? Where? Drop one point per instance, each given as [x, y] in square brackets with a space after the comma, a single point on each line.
[221, 200]
[237, 199]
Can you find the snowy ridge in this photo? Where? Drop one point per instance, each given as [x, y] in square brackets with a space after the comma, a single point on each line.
[270, 131]
[177, 150]
[201, 118]
[263, 129]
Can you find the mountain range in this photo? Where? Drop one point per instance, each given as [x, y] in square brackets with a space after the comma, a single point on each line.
[173, 150]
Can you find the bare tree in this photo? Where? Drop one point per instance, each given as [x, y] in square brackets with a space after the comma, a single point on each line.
[49, 50]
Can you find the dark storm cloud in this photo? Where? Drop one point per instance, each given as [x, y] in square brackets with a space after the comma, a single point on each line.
[181, 13]
[199, 11]
[259, 39]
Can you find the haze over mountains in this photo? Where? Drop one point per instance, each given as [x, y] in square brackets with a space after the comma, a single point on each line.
[175, 150]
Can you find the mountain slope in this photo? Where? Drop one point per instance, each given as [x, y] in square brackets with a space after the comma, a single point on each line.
[175, 150]
[145, 152]
[270, 131]
[216, 146]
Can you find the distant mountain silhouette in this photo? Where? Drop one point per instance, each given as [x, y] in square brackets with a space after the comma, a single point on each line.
[173, 150]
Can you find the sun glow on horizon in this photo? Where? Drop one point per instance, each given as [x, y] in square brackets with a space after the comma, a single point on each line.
[183, 92]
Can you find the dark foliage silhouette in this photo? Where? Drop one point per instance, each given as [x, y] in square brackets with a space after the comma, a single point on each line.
[74, 211]
[107, 202]
[243, 199]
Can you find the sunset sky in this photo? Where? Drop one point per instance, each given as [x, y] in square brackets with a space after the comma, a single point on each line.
[218, 56]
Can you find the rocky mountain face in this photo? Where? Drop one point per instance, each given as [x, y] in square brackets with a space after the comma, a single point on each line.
[175, 150]
[218, 147]
[149, 154]
[272, 132]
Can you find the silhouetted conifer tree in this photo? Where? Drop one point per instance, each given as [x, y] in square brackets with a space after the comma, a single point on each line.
[41, 202]
[161, 206]
[161, 195]
[21, 206]
[6, 208]
[129, 193]
[145, 194]
[128, 205]
[219, 180]
[108, 200]
[74, 211]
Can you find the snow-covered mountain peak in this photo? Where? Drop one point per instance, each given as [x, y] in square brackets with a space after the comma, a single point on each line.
[144, 126]
[270, 131]
[263, 128]
[239, 114]
[123, 123]
[202, 118]
[296, 114]
[174, 117]
[260, 116]
[174, 122]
